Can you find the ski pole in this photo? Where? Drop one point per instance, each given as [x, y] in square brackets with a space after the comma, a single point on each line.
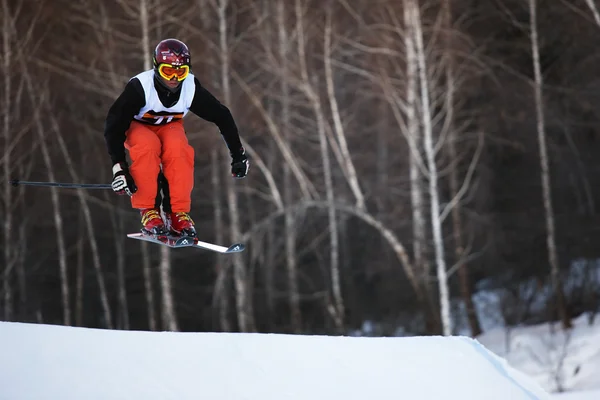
[16, 182]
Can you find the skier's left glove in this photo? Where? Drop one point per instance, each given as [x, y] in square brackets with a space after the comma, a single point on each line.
[122, 181]
[239, 164]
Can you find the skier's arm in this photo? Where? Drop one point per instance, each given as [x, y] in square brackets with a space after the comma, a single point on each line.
[119, 117]
[207, 107]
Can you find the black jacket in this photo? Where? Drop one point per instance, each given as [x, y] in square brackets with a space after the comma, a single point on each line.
[132, 99]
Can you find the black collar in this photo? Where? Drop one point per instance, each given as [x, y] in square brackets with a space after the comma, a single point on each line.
[168, 97]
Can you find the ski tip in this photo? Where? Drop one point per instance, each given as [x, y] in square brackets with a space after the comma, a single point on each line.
[236, 248]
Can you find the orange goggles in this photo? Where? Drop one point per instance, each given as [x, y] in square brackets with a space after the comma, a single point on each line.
[169, 71]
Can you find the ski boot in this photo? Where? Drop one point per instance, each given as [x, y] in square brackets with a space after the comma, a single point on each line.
[152, 222]
[181, 224]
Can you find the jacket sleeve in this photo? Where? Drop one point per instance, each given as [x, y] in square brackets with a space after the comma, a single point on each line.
[119, 117]
[207, 107]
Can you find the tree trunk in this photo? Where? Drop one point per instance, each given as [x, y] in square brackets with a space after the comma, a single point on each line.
[459, 249]
[148, 287]
[243, 299]
[348, 165]
[417, 185]
[338, 311]
[7, 188]
[169, 318]
[290, 231]
[57, 214]
[430, 153]
[145, 37]
[545, 172]
[123, 312]
[80, 271]
[89, 224]
[220, 292]
[21, 273]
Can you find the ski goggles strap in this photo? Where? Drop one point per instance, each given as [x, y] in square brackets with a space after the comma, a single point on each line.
[169, 71]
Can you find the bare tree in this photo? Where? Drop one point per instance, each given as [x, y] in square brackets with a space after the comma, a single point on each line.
[290, 231]
[122, 311]
[417, 172]
[7, 225]
[83, 200]
[545, 170]
[39, 94]
[336, 309]
[243, 299]
[148, 287]
[346, 159]
[17, 36]
[79, 279]
[594, 10]
[457, 230]
[432, 169]
[220, 293]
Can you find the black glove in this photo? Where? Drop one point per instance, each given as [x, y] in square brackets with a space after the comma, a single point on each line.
[239, 164]
[122, 181]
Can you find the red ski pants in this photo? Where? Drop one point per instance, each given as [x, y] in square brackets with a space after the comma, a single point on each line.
[150, 146]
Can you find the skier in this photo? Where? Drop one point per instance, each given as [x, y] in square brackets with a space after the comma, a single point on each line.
[147, 120]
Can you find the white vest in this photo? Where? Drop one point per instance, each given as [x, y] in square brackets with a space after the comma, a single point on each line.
[154, 112]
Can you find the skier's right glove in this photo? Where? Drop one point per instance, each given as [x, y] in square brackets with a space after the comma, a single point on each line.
[122, 181]
[239, 164]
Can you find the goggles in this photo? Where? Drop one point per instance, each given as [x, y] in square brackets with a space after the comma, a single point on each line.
[169, 71]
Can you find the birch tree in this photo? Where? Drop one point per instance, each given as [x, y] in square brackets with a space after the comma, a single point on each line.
[39, 94]
[414, 135]
[17, 33]
[220, 301]
[432, 169]
[347, 164]
[7, 196]
[336, 308]
[455, 189]
[220, 293]
[243, 299]
[290, 231]
[545, 170]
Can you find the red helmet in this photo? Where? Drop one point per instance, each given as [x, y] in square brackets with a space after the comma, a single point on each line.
[171, 51]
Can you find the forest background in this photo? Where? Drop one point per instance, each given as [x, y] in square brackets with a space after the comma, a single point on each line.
[408, 159]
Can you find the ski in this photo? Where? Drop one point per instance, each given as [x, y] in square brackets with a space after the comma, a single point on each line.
[186, 241]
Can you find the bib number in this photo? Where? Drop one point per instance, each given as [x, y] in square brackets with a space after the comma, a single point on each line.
[159, 118]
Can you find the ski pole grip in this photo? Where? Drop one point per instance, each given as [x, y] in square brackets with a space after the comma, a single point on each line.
[14, 182]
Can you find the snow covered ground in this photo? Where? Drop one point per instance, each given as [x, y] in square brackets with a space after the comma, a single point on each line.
[55, 362]
[554, 358]
[579, 395]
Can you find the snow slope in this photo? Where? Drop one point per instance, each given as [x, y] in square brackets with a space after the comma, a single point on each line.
[55, 362]
[578, 395]
[554, 358]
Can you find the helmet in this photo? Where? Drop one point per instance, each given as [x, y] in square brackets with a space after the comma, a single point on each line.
[171, 59]
[171, 51]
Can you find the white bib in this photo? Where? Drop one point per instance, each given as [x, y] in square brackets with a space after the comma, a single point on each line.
[154, 112]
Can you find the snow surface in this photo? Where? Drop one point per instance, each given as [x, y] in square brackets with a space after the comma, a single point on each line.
[556, 359]
[57, 362]
[583, 395]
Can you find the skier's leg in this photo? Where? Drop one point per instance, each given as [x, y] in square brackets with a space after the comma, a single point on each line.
[144, 150]
[178, 165]
[178, 169]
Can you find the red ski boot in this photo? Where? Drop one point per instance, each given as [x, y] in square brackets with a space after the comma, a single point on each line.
[181, 224]
[152, 222]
